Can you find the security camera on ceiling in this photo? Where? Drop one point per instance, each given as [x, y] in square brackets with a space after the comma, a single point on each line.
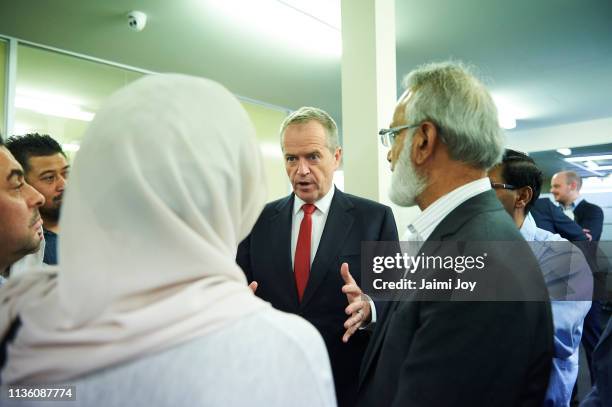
[137, 20]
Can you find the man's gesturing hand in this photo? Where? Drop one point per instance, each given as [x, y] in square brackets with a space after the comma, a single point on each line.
[358, 304]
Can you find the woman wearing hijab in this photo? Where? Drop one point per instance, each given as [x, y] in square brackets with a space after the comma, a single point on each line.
[148, 307]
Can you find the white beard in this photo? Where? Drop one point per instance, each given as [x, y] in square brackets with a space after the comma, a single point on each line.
[406, 184]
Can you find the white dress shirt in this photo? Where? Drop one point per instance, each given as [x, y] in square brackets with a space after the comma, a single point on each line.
[569, 209]
[423, 226]
[319, 216]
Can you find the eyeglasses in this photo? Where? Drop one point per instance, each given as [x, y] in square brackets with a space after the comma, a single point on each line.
[388, 136]
[498, 185]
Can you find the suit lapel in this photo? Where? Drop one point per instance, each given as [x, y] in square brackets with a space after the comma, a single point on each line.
[337, 226]
[280, 226]
[578, 212]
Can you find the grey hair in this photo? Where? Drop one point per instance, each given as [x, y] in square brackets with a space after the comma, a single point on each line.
[304, 115]
[450, 96]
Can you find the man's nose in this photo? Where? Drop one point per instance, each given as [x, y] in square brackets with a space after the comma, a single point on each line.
[61, 183]
[303, 168]
[35, 198]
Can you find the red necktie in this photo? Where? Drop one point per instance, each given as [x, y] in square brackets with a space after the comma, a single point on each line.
[301, 263]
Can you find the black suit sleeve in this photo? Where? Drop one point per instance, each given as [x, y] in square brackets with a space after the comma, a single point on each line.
[593, 220]
[243, 258]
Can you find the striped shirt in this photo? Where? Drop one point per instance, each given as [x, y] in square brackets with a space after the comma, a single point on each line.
[423, 226]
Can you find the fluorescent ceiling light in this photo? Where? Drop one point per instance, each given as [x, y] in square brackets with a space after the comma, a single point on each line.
[506, 120]
[507, 113]
[592, 165]
[71, 147]
[589, 158]
[302, 25]
[271, 150]
[22, 129]
[564, 151]
[51, 105]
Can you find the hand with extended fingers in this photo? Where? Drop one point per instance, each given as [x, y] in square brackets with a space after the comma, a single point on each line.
[358, 307]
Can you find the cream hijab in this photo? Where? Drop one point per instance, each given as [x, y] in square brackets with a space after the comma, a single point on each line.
[168, 181]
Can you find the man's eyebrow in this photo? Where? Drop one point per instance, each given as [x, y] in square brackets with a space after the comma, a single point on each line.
[47, 172]
[14, 173]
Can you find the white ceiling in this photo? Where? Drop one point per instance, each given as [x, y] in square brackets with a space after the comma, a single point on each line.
[551, 59]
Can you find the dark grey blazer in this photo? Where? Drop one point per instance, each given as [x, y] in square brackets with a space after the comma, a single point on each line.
[442, 353]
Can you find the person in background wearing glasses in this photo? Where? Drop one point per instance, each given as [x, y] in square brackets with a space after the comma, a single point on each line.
[46, 169]
[301, 245]
[444, 136]
[517, 181]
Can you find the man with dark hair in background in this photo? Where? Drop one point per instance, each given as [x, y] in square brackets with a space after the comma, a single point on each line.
[46, 169]
[517, 182]
[20, 222]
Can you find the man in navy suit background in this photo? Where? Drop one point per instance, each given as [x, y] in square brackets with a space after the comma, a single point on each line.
[296, 248]
[565, 187]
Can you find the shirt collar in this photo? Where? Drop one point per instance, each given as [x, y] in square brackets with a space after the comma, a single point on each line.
[529, 228]
[322, 204]
[577, 201]
[431, 217]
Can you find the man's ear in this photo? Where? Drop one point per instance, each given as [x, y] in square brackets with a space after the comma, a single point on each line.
[574, 186]
[425, 141]
[523, 197]
[338, 157]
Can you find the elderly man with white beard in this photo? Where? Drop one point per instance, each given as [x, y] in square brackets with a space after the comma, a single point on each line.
[443, 137]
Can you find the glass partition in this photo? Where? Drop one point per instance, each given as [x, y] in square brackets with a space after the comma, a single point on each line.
[3, 65]
[59, 94]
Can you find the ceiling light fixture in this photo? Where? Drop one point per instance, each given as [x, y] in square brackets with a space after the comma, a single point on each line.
[592, 165]
[71, 147]
[507, 113]
[51, 105]
[313, 26]
[589, 158]
[564, 151]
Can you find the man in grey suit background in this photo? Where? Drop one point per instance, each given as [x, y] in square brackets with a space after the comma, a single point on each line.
[443, 138]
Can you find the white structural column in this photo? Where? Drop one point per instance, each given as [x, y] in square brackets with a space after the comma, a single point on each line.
[368, 93]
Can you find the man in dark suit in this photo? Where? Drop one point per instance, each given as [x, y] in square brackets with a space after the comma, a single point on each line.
[444, 136]
[565, 187]
[296, 248]
[550, 217]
